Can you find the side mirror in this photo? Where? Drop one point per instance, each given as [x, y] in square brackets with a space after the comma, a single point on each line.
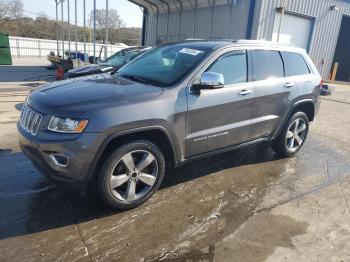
[209, 80]
[114, 70]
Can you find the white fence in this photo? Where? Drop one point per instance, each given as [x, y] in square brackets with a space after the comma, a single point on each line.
[33, 47]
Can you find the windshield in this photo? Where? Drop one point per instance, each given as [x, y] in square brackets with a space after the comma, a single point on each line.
[164, 66]
[120, 58]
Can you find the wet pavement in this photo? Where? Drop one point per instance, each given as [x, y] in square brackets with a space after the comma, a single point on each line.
[244, 205]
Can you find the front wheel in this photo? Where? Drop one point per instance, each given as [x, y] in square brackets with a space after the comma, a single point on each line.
[293, 135]
[131, 175]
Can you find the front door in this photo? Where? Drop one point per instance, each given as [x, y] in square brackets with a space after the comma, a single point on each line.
[220, 118]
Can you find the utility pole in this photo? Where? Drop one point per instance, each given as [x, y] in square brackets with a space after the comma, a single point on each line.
[76, 30]
[94, 32]
[84, 29]
[106, 40]
[281, 19]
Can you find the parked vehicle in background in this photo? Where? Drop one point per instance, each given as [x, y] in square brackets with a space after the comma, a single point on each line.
[178, 102]
[112, 63]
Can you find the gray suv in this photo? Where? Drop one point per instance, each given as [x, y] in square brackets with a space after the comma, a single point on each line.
[119, 133]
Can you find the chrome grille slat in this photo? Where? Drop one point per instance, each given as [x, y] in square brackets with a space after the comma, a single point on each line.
[25, 119]
[30, 120]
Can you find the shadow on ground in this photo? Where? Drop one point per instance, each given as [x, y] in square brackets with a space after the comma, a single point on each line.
[32, 204]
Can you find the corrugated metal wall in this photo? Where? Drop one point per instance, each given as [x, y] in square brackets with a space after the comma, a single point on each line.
[325, 30]
[219, 21]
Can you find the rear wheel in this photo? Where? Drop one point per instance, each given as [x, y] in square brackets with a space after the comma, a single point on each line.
[131, 175]
[293, 135]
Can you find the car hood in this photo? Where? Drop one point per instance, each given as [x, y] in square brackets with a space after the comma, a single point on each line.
[89, 69]
[74, 97]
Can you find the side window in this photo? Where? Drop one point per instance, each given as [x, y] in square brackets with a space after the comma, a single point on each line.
[233, 66]
[294, 64]
[267, 64]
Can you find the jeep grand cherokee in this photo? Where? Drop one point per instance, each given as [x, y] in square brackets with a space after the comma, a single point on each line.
[178, 102]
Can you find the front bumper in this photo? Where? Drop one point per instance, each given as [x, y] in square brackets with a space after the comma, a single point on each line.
[80, 153]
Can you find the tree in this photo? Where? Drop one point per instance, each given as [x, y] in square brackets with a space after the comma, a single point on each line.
[3, 11]
[114, 23]
[15, 11]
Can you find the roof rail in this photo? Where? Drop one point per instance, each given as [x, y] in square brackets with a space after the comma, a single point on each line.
[193, 39]
[263, 41]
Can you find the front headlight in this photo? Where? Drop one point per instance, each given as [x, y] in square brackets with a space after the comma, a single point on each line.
[67, 125]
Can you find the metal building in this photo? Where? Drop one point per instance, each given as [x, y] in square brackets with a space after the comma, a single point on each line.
[322, 27]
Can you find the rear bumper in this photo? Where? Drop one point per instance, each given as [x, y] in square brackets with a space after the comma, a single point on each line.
[79, 152]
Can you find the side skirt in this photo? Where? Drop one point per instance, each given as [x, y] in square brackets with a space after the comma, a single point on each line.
[222, 150]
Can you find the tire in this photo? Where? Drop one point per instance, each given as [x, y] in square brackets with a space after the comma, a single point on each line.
[293, 135]
[131, 174]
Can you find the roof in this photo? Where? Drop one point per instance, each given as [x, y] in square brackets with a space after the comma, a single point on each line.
[208, 44]
[215, 44]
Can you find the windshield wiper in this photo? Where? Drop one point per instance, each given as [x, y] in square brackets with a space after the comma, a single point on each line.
[141, 79]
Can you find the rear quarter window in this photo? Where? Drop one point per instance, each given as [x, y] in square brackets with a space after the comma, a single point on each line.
[295, 64]
[266, 64]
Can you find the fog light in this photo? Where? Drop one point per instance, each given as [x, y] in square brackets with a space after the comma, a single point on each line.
[59, 160]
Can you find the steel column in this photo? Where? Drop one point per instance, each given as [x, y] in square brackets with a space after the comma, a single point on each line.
[68, 9]
[106, 40]
[62, 29]
[76, 29]
[57, 36]
[94, 37]
[84, 17]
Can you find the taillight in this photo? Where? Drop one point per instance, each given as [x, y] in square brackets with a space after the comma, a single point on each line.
[321, 83]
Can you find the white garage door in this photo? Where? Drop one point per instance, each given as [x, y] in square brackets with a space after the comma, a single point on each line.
[295, 30]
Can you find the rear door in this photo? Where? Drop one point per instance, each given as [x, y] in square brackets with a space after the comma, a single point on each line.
[221, 117]
[297, 69]
[274, 92]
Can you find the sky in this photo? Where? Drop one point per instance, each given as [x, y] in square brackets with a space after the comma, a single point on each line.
[129, 12]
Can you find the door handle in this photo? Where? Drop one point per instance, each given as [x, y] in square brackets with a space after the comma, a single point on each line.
[288, 85]
[245, 92]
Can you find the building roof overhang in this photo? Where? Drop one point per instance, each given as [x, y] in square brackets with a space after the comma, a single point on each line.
[167, 6]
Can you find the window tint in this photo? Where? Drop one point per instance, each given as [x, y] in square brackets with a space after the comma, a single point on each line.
[233, 66]
[294, 64]
[266, 64]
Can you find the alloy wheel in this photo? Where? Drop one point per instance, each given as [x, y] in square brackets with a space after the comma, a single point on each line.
[296, 134]
[134, 175]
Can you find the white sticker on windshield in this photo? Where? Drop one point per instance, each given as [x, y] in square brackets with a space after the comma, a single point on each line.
[190, 51]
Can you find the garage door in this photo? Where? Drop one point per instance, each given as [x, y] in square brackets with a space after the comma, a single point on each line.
[295, 30]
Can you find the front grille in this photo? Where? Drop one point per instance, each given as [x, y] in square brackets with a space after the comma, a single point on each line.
[30, 120]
